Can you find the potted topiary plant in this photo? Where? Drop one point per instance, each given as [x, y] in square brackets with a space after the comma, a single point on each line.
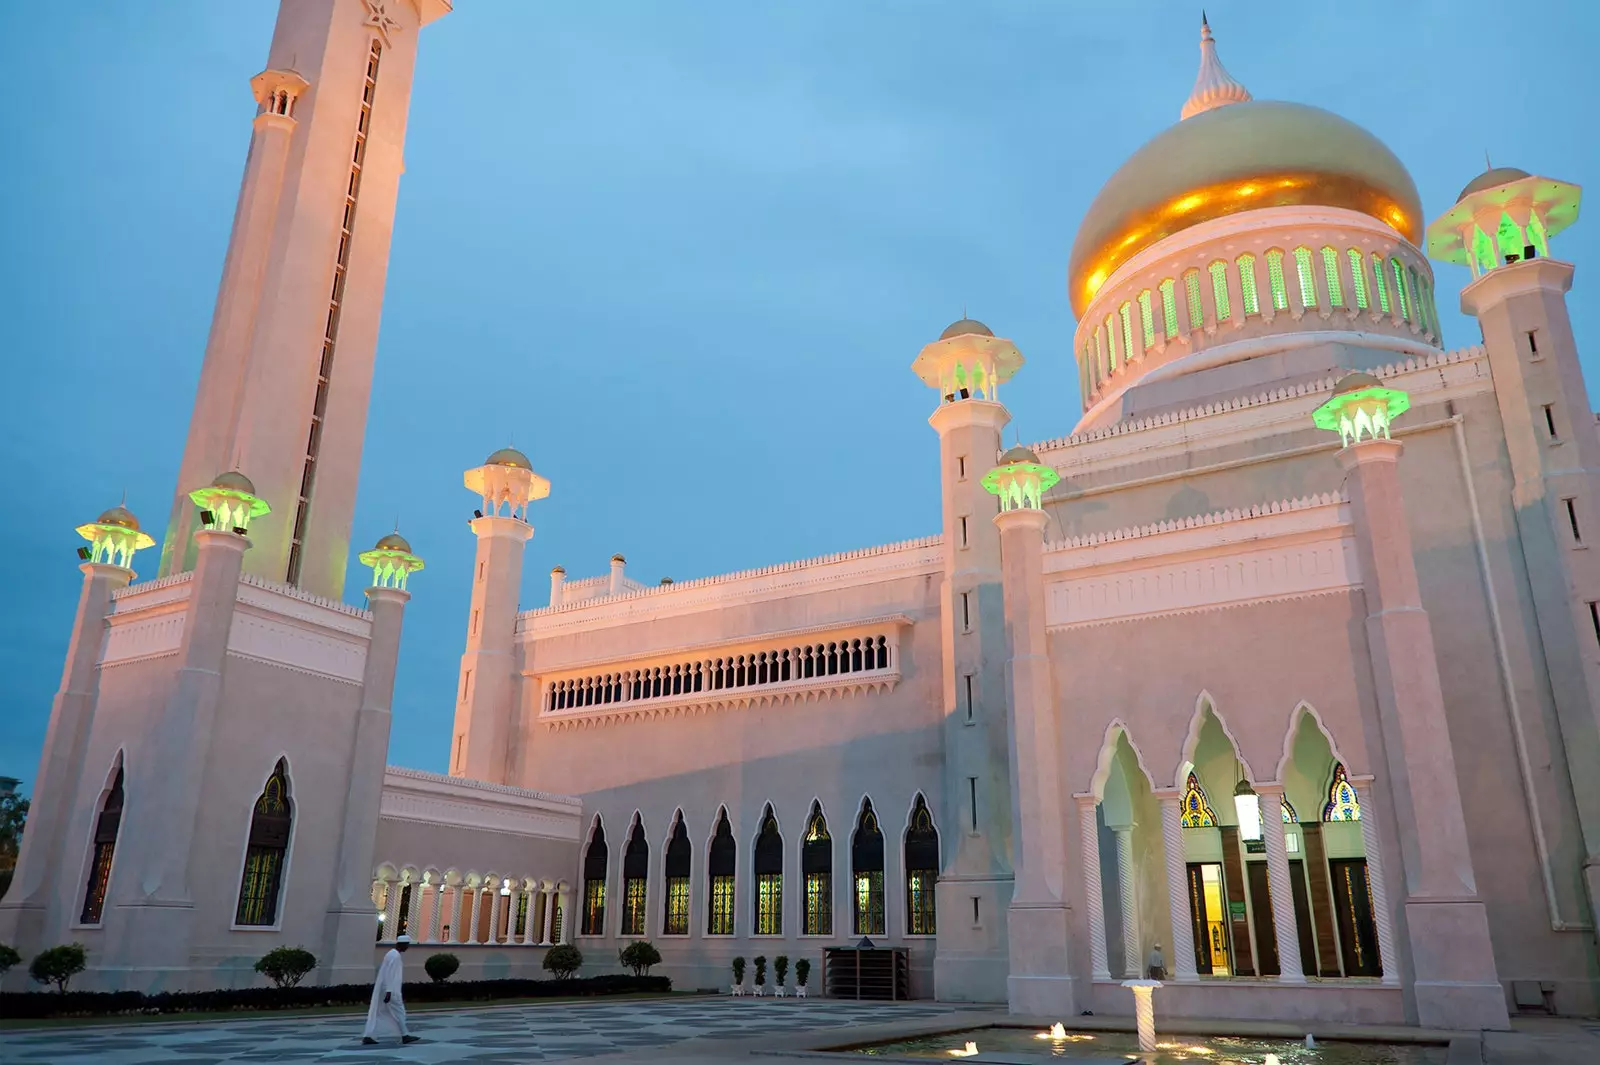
[780, 971]
[738, 976]
[761, 974]
[802, 973]
[441, 967]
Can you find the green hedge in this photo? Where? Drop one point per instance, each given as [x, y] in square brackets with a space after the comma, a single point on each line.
[33, 1005]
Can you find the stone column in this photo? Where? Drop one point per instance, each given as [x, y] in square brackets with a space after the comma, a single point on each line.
[1290, 967]
[1041, 980]
[24, 912]
[413, 911]
[435, 912]
[348, 921]
[497, 903]
[1456, 982]
[1094, 901]
[546, 913]
[1382, 916]
[455, 911]
[1180, 960]
[1129, 892]
[392, 890]
[530, 934]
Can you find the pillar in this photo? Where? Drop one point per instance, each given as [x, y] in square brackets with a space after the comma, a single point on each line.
[1128, 891]
[1456, 984]
[485, 692]
[1180, 962]
[1094, 900]
[564, 901]
[435, 912]
[546, 913]
[496, 906]
[470, 912]
[40, 872]
[1283, 924]
[455, 911]
[1041, 980]
[392, 890]
[348, 925]
[1382, 915]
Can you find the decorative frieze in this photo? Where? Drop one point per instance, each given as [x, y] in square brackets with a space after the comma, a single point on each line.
[431, 798]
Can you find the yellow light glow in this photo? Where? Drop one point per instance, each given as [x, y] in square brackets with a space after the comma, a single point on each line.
[1247, 189]
[1187, 203]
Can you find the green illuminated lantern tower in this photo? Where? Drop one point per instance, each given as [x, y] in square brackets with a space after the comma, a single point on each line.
[1454, 981]
[1503, 227]
[965, 366]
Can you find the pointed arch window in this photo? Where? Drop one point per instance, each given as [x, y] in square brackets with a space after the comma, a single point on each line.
[1307, 278]
[1289, 815]
[1358, 276]
[1219, 290]
[266, 851]
[1330, 270]
[1125, 312]
[1169, 306]
[1342, 805]
[1197, 812]
[635, 879]
[720, 866]
[1147, 319]
[1191, 295]
[1247, 284]
[866, 867]
[679, 859]
[594, 883]
[1280, 292]
[769, 876]
[1380, 284]
[106, 827]
[922, 869]
[816, 864]
[1399, 272]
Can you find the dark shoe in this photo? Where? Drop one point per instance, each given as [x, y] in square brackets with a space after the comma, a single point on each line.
[368, 1041]
[410, 1038]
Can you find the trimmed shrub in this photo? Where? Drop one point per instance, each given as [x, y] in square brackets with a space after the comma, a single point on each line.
[761, 970]
[563, 960]
[59, 965]
[802, 972]
[638, 956]
[35, 1005]
[286, 966]
[9, 958]
[441, 967]
[738, 971]
[780, 968]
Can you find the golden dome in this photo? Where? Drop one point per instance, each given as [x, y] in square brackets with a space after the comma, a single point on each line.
[235, 481]
[1231, 159]
[1493, 177]
[966, 327]
[393, 542]
[119, 515]
[509, 456]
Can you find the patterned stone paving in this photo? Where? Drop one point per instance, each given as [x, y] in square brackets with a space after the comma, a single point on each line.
[507, 1035]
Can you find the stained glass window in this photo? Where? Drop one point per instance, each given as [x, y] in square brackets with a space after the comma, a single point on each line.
[1191, 295]
[1169, 307]
[816, 862]
[1197, 812]
[1280, 293]
[269, 845]
[1330, 268]
[1289, 816]
[106, 827]
[866, 867]
[1219, 289]
[1126, 313]
[677, 870]
[1308, 280]
[1342, 802]
[1400, 289]
[720, 866]
[594, 883]
[1247, 283]
[1380, 285]
[769, 876]
[635, 880]
[1358, 276]
[922, 870]
[1147, 318]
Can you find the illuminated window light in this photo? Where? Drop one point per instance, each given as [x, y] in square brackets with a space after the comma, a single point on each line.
[1147, 318]
[1330, 268]
[1247, 283]
[1219, 290]
[1509, 237]
[1191, 294]
[1400, 289]
[1169, 307]
[1358, 277]
[1125, 313]
[1378, 282]
[1280, 294]
[1108, 329]
[1308, 282]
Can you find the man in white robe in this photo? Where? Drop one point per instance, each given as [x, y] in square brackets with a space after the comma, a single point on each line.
[387, 1014]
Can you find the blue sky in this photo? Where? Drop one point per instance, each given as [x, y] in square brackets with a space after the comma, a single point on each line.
[682, 253]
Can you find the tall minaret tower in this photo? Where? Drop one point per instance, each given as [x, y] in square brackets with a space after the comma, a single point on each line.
[288, 365]
[965, 365]
[486, 694]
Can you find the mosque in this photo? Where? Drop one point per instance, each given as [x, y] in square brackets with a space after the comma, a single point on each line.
[1286, 658]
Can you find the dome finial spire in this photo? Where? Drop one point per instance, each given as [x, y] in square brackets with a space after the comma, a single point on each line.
[1213, 87]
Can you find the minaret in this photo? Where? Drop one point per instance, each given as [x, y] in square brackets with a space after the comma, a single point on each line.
[1501, 227]
[113, 539]
[288, 365]
[965, 365]
[484, 697]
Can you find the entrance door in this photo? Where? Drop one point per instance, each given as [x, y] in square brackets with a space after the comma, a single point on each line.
[1358, 937]
[1302, 918]
[1261, 911]
[1208, 906]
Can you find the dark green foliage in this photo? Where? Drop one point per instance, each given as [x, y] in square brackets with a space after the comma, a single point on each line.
[8, 958]
[563, 960]
[59, 965]
[802, 972]
[286, 966]
[638, 956]
[738, 972]
[441, 967]
[780, 968]
[35, 1004]
[761, 970]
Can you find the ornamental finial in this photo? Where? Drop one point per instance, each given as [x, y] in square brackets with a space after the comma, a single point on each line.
[1213, 87]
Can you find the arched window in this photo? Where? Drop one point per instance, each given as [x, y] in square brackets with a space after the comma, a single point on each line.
[1126, 314]
[922, 869]
[1108, 357]
[816, 863]
[866, 866]
[267, 849]
[594, 883]
[720, 867]
[1358, 276]
[1399, 273]
[1197, 812]
[635, 879]
[105, 844]
[1307, 278]
[677, 871]
[1219, 290]
[1379, 284]
[1342, 802]
[1289, 815]
[1280, 293]
[1418, 304]
[1330, 269]
[1509, 238]
[1147, 318]
[1169, 307]
[769, 876]
[1247, 283]
[1085, 376]
[1191, 295]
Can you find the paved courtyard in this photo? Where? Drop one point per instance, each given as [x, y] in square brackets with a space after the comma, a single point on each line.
[641, 1030]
